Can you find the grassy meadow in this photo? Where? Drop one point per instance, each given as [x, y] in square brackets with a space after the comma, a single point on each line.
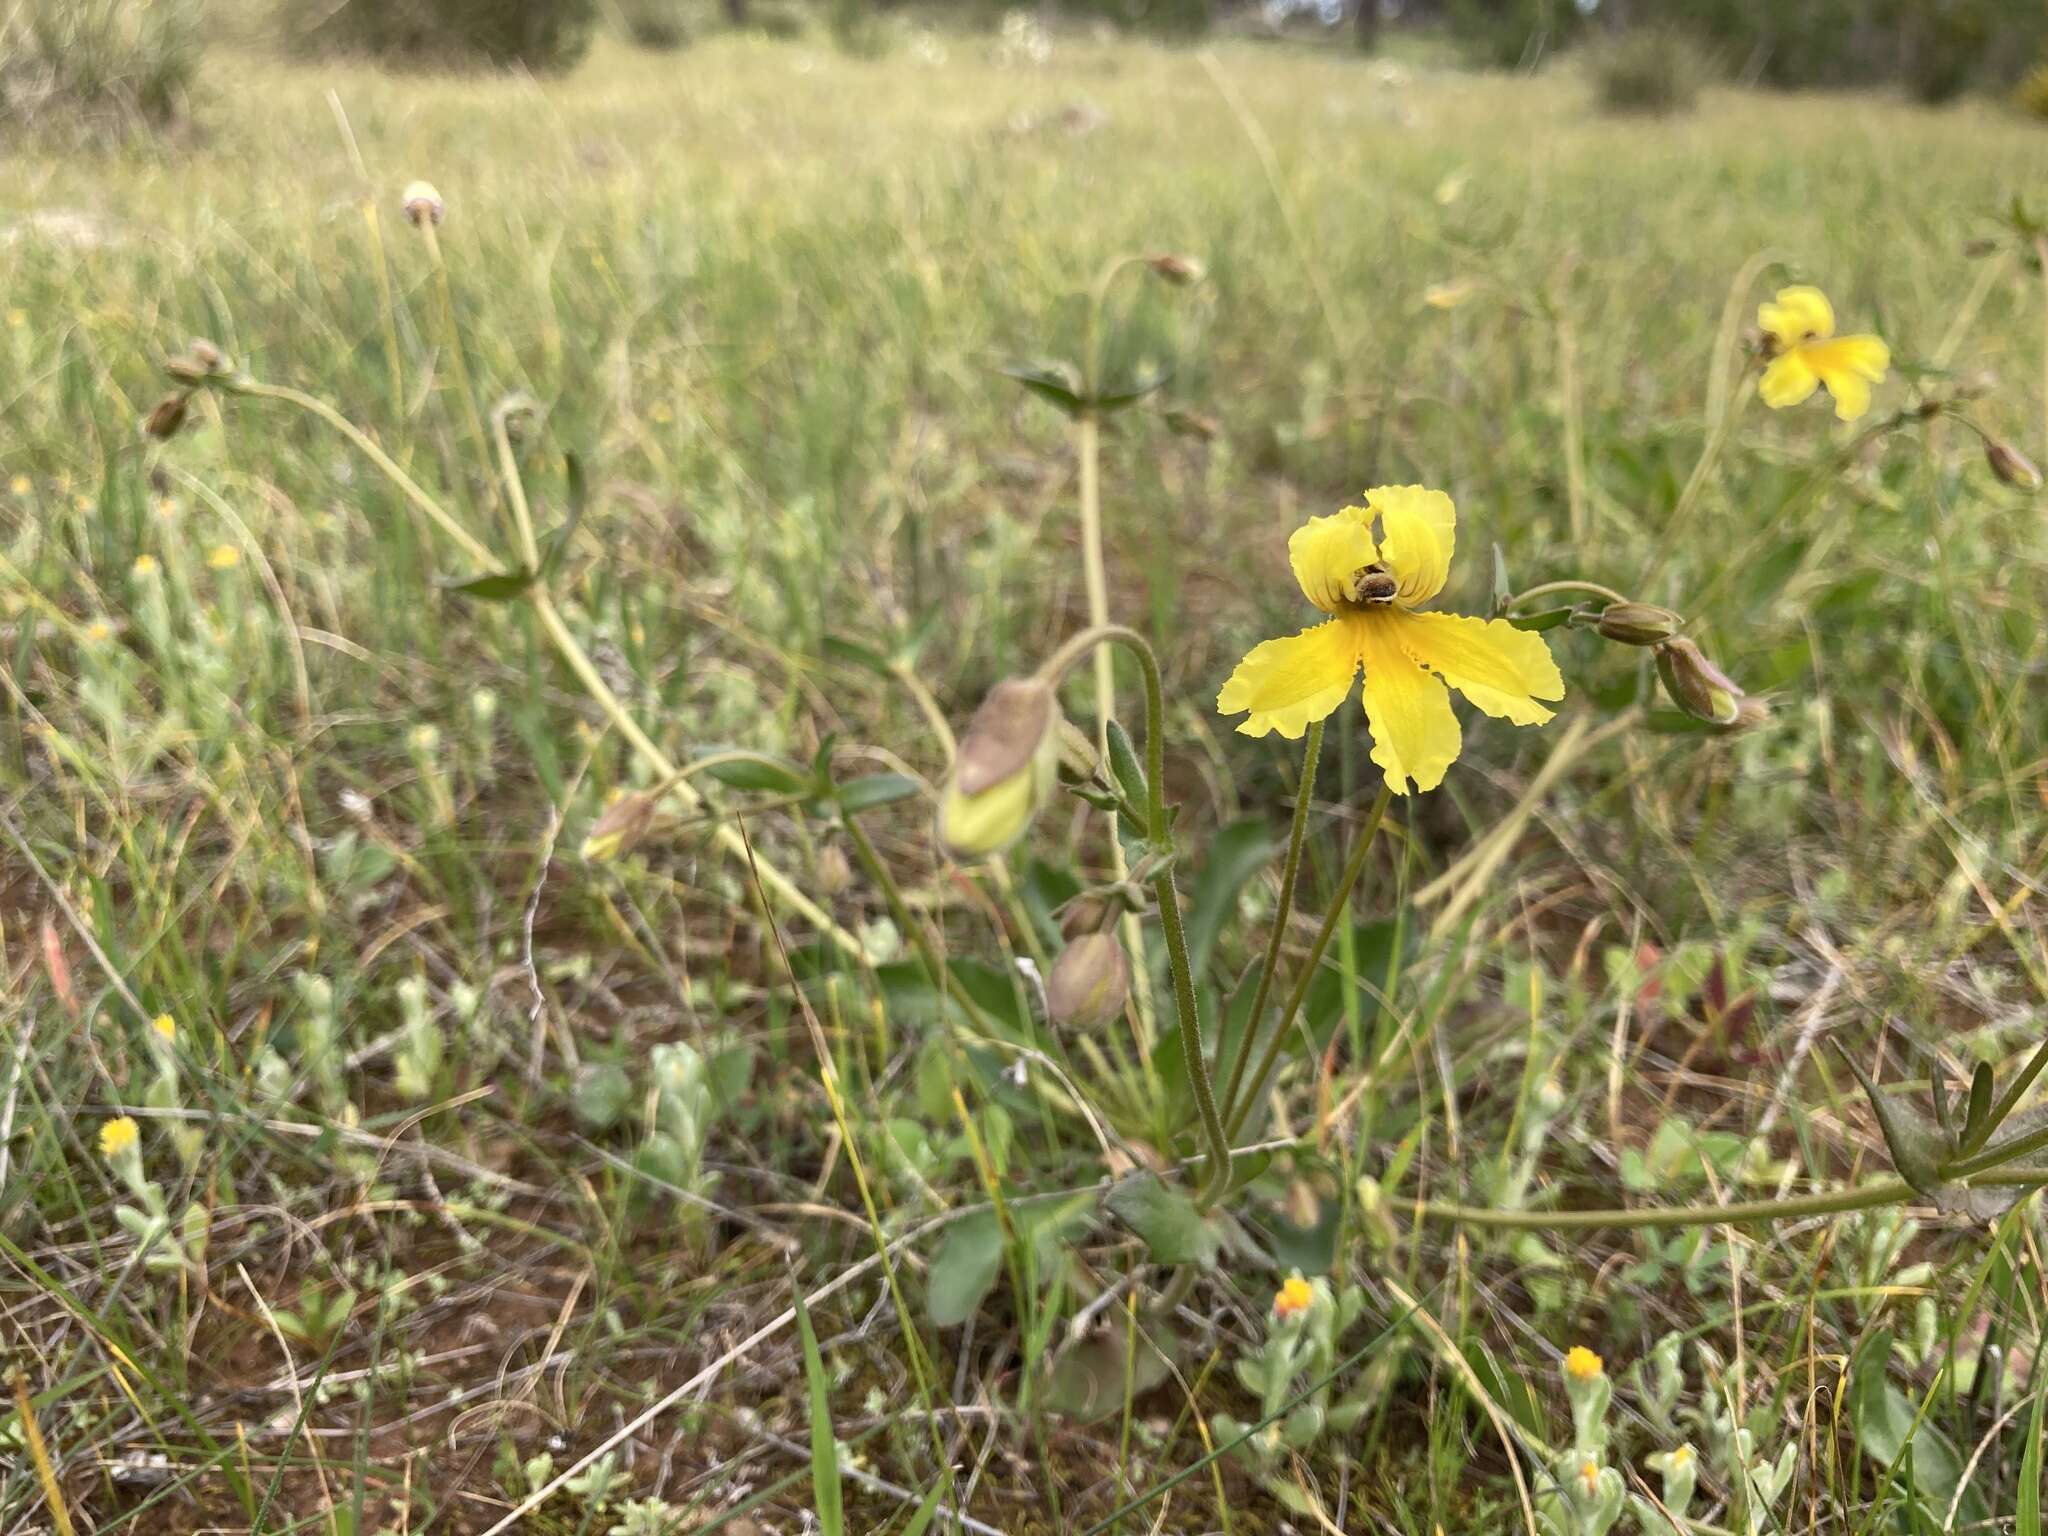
[484, 1186]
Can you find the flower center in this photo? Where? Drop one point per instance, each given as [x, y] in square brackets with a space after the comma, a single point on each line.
[1369, 587]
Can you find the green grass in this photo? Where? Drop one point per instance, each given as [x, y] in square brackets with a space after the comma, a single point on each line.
[324, 812]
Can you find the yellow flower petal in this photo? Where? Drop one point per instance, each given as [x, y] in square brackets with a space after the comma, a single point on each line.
[118, 1136]
[1327, 552]
[1787, 381]
[1449, 295]
[1849, 365]
[1418, 528]
[1801, 314]
[1502, 669]
[1289, 682]
[1414, 734]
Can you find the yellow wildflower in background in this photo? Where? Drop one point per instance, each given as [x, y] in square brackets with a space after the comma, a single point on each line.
[1807, 353]
[21, 485]
[1370, 587]
[224, 557]
[119, 1135]
[1581, 1364]
[145, 565]
[1449, 295]
[165, 1026]
[1293, 1298]
[98, 632]
[17, 318]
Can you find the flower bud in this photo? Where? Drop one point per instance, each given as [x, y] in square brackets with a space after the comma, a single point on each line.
[1089, 982]
[619, 829]
[2010, 465]
[1005, 769]
[834, 872]
[163, 422]
[423, 204]
[1181, 271]
[1696, 685]
[1637, 623]
[1090, 913]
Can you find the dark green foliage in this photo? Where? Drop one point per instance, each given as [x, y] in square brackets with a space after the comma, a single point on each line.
[1513, 34]
[540, 35]
[663, 25]
[1649, 69]
[1156, 18]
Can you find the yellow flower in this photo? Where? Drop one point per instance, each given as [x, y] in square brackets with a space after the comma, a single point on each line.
[1293, 1298]
[1370, 588]
[145, 565]
[1589, 1476]
[17, 318]
[1808, 353]
[224, 557]
[21, 485]
[165, 1026]
[1682, 1457]
[1581, 1364]
[1449, 295]
[117, 1136]
[98, 632]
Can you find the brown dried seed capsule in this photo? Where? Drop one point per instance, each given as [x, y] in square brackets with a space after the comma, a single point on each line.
[164, 421]
[2010, 465]
[1089, 981]
[422, 203]
[1181, 271]
[1637, 623]
[1695, 684]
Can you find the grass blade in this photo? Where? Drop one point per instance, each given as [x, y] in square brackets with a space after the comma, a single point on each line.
[827, 1495]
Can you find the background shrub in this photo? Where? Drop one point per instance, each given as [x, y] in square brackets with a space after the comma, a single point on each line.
[658, 24]
[542, 35]
[1649, 69]
[121, 62]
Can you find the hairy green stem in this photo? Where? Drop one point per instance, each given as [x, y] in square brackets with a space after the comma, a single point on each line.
[1340, 902]
[1290, 871]
[1549, 587]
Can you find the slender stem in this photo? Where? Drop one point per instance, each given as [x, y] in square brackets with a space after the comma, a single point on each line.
[1159, 832]
[1996, 1155]
[1868, 1197]
[1191, 1038]
[2041, 252]
[2009, 1100]
[453, 337]
[1290, 871]
[1548, 587]
[462, 537]
[1681, 514]
[1339, 904]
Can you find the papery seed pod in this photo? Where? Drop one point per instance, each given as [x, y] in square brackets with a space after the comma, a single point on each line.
[1090, 913]
[2010, 465]
[1695, 684]
[1181, 271]
[164, 421]
[1089, 982]
[422, 203]
[1637, 624]
[1004, 771]
[619, 829]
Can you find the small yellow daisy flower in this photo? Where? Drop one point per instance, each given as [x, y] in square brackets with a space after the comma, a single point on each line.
[1682, 1457]
[145, 565]
[1581, 1364]
[17, 318]
[1293, 1298]
[167, 507]
[1371, 588]
[21, 485]
[224, 557]
[1589, 1476]
[119, 1135]
[165, 1026]
[1806, 353]
[98, 632]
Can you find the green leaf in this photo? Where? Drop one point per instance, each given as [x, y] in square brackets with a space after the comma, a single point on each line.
[1310, 1247]
[2027, 1508]
[602, 1095]
[1166, 1220]
[769, 774]
[865, 794]
[826, 1492]
[558, 541]
[964, 1270]
[1890, 1428]
[1977, 1120]
[922, 1517]
[1130, 394]
[1917, 1148]
[1510, 1390]
[853, 652]
[1123, 763]
[1056, 383]
[1087, 1380]
[1236, 854]
[497, 587]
